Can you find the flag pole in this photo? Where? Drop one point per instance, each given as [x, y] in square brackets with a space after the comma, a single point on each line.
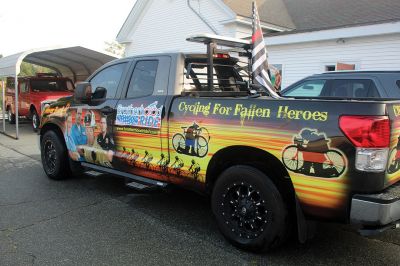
[259, 58]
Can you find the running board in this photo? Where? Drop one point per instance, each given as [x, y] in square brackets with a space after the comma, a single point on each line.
[137, 179]
[93, 173]
[138, 186]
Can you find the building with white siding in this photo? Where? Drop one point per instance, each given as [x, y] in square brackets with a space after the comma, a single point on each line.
[303, 37]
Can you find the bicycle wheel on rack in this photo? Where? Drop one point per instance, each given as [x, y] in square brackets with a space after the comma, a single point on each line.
[178, 142]
[335, 161]
[290, 158]
[202, 146]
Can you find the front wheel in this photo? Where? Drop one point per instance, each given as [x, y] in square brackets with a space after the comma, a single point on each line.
[249, 209]
[35, 120]
[54, 156]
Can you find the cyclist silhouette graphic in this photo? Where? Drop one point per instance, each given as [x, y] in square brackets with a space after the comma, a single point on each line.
[194, 169]
[163, 163]
[177, 165]
[133, 157]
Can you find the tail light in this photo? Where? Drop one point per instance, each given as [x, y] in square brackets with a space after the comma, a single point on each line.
[224, 56]
[371, 137]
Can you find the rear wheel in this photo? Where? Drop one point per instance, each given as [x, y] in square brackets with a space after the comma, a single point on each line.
[54, 156]
[35, 120]
[249, 209]
[10, 116]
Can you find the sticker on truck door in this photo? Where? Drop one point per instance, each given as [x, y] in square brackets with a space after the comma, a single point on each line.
[139, 116]
[311, 155]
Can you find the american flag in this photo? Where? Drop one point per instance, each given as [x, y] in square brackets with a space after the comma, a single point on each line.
[259, 56]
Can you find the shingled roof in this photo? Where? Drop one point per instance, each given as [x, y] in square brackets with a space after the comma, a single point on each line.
[319, 14]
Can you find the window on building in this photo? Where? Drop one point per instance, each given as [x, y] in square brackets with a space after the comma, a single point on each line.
[329, 68]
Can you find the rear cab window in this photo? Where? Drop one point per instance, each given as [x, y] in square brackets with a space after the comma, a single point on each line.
[46, 84]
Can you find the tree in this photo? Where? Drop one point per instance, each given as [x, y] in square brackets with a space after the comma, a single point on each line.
[28, 69]
[115, 48]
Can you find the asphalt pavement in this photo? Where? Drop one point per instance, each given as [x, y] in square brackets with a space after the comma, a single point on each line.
[98, 221]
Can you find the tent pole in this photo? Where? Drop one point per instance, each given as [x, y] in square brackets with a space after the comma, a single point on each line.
[2, 106]
[16, 107]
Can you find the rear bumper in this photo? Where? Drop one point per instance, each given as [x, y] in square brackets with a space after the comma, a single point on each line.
[376, 210]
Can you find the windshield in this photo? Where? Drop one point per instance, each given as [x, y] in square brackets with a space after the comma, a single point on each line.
[51, 85]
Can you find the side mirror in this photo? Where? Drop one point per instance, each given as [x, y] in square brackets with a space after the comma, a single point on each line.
[99, 95]
[83, 92]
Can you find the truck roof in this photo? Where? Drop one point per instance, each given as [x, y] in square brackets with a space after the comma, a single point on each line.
[346, 72]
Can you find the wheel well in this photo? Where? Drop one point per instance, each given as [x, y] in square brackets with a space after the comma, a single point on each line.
[32, 108]
[53, 127]
[260, 159]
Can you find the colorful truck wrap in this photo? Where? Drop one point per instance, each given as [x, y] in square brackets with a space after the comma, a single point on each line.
[269, 165]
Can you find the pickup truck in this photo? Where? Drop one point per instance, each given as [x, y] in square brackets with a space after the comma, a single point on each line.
[270, 166]
[35, 93]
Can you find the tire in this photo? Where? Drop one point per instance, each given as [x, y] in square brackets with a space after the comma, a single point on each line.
[54, 156]
[35, 120]
[11, 116]
[260, 219]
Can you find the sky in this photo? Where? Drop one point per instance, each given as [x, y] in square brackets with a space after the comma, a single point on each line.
[31, 24]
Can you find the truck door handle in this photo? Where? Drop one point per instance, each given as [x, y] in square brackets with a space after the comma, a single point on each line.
[107, 110]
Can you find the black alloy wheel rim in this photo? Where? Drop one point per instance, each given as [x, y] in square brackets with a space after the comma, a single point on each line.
[50, 156]
[244, 210]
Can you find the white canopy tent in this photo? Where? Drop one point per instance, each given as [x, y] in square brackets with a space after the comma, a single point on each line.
[76, 63]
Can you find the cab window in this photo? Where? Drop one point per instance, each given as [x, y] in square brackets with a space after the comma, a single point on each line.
[143, 79]
[353, 88]
[109, 79]
[309, 88]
